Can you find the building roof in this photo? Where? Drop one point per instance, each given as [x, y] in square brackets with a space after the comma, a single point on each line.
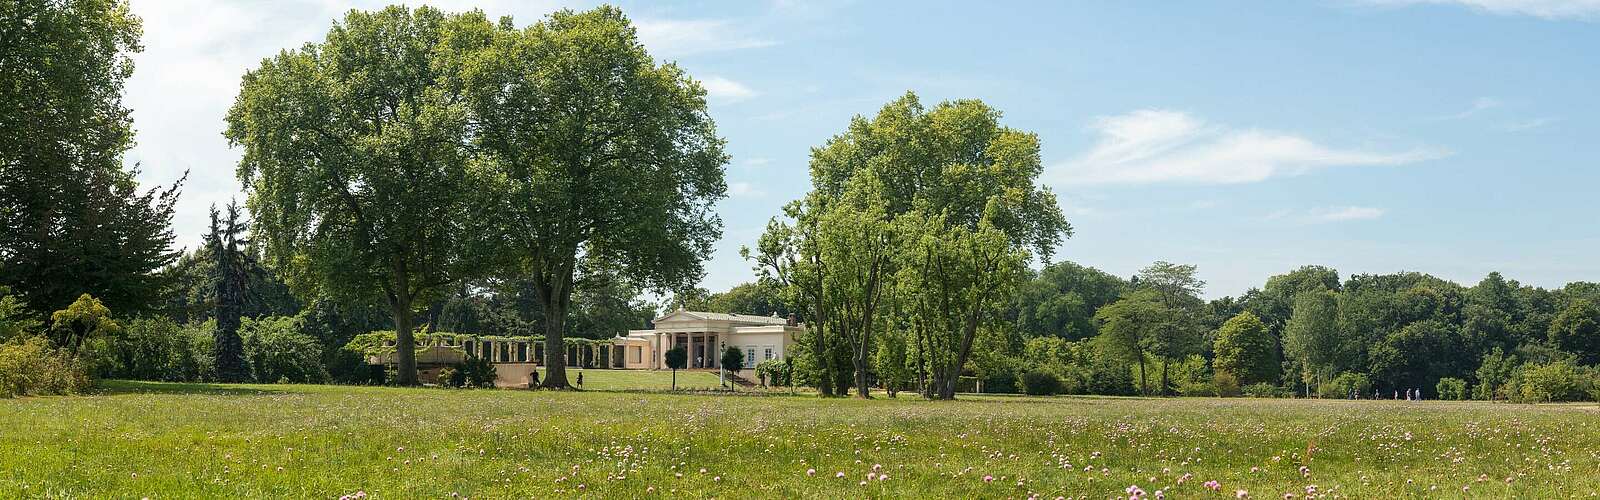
[745, 319]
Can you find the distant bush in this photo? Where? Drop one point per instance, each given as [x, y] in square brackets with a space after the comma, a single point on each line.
[1197, 389]
[156, 348]
[1451, 389]
[1345, 385]
[276, 350]
[1000, 382]
[1226, 384]
[31, 367]
[1265, 390]
[1041, 383]
[450, 377]
[1552, 382]
[476, 371]
[774, 372]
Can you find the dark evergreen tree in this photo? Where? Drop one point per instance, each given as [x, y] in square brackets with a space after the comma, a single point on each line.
[229, 277]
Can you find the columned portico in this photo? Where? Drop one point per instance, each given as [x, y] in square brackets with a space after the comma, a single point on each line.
[705, 335]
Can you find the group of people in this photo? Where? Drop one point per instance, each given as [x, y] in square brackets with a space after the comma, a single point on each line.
[1411, 394]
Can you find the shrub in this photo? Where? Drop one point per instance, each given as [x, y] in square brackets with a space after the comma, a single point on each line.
[15, 319]
[155, 348]
[774, 372]
[450, 377]
[1192, 388]
[1345, 385]
[1451, 388]
[1226, 384]
[30, 366]
[476, 371]
[1551, 382]
[275, 349]
[1000, 382]
[1041, 383]
[1265, 390]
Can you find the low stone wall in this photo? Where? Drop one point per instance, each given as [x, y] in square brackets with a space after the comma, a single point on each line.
[513, 374]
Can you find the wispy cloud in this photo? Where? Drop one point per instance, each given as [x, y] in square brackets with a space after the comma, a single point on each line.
[1524, 125]
[682, 37]
[1584, 10]
[1161, 146]
[1339, 214]
[745, 190]
[726, 90]
[1478, 105]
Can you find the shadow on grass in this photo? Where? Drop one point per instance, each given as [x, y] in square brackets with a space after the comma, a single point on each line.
[113, 387]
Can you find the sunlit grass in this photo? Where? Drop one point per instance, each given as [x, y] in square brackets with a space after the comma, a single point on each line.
[172, 440]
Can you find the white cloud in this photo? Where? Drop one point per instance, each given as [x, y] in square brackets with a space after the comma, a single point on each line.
[681, 37]
[1586, 10]
[1155, 146]
[756, 162]
[1338, 214]
[745, 190]
[726, 90]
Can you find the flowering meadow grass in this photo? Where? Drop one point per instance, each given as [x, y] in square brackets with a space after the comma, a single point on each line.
[174, 440]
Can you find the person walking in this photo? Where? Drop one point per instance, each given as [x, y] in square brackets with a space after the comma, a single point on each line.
[533, 378]
[580, 380]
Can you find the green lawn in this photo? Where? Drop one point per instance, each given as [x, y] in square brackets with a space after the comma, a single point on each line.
[174, 440]
[623, 380]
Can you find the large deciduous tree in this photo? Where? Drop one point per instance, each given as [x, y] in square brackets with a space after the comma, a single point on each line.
[594, 149]
[1245, 349]
[355, 161]
[952, 193]
[73, 218]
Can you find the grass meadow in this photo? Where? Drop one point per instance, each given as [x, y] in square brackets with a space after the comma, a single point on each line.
[154, 440]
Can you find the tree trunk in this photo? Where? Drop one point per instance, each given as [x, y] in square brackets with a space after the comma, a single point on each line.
[555, 348]
[404, 342]
[1164, 380]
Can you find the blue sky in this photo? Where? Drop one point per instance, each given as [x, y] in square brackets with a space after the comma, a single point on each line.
[1455, 137]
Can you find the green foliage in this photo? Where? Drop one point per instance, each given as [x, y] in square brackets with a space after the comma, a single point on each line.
[1245, 349]
[776, 372]
[589, 147]
[1062, 299]
[1311, 338]
[1041, 383]
[16, 321]
[1552, 382]
[450, 377]
[476, 371]
[732, 359]
[892, 363]
[31, 367]
[276, 349]
[83, 320]
[157, 348]
[1266, 390]
[1348, 385]
[356, 162]
[1577, 330]
[73, 217]
[1494, 371]
[677, 358]
[1451, 389]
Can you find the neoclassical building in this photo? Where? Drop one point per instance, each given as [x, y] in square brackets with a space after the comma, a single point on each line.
[705, 335]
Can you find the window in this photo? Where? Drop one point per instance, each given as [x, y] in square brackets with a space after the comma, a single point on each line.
[749, 357]
[638, 354]
[522, 351]
[768, 354]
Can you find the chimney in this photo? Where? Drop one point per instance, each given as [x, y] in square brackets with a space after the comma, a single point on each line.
[792, 321]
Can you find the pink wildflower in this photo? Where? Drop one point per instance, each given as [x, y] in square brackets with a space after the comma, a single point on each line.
[1241, 494]
[988, 479]
[811, 472]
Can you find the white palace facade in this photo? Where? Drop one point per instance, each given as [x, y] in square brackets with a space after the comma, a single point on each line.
[705, 335]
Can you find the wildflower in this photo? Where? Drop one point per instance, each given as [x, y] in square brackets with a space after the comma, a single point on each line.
[811, 472]
[840, 475]
[986, 478]
[877, 467]
[1241, 494]
[716, 479]
[1213, 485]
[883, 477]
[863, 483]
